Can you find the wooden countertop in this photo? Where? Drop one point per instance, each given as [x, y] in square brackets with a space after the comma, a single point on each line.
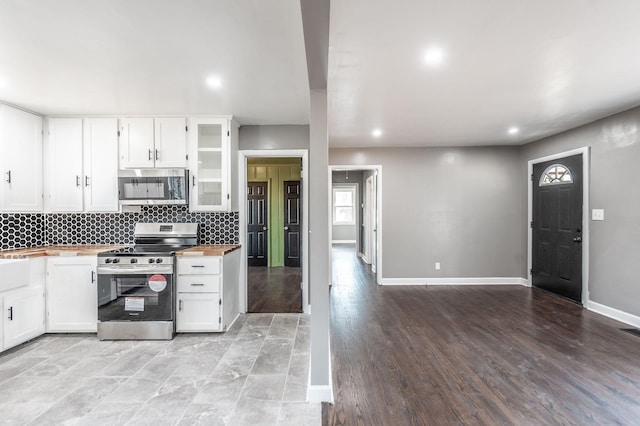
[80, 250]
[209, 250]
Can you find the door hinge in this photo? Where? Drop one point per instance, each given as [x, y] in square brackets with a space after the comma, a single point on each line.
[228, 134]
[531, 177]
[220, 302]
[118, 133]
[531, 271]
[219, 320]
[186, 128]
[531, 223]
[228, 196]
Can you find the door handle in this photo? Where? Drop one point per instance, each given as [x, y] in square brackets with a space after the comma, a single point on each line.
[180, 305]
[93, 277]
[86, 181]
[193, 180]
[11, 313]
[286, 228]
[157, 154]
[264, 228]
[150, 157]
[9, 176]
[577, 240]
[77, 180]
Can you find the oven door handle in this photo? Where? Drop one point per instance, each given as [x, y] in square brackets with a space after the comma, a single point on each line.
[167, 270]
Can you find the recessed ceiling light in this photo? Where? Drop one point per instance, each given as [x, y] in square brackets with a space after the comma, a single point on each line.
[214, 82]
[433, 56]
[513, 130]
[376, 133]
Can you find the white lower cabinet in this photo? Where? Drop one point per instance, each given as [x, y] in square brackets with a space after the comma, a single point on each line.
[24, 315]
[22, 308]
[198, 312]
[71, 296]
[207, 297]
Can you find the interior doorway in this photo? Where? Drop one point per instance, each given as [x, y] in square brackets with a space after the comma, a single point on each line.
[356, 215]
[274, 273]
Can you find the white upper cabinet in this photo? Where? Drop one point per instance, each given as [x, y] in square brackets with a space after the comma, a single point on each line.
[82, 165]
[212, 147]
[65, 180]
[170, 143]
[20, 160]
[100, 152]
[148, 143]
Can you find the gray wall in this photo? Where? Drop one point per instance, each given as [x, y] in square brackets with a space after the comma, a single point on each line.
[349, 232]
[274, 137]
[461, 207]
[615, 178]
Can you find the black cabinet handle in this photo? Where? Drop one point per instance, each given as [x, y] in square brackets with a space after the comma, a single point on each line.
[197, 266]
[193, 180]
[86, 181]
[77, 180]
[11, 313]
[197, 285]
[93, 277]
[157, 154]
[9, 176]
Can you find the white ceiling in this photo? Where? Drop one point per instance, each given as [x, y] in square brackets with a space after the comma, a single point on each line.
[542, 65]
[152, 57]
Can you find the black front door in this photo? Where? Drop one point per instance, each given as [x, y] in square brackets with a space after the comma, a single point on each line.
[557, 227]
[257, 227]
[292, 223]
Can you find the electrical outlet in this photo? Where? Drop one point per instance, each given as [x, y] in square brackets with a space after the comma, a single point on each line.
[437, 265]
[597, 214]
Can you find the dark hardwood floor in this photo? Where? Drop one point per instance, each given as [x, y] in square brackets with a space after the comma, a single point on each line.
[473, 355]
[274, 290]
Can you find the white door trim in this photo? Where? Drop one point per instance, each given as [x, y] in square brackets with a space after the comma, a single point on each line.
[585, 214]
[377, 169]
[242, 179]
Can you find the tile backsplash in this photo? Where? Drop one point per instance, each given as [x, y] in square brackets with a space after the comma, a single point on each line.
[37, 229]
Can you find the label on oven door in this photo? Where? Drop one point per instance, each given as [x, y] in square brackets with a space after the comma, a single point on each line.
[157, 282]
[135, 304]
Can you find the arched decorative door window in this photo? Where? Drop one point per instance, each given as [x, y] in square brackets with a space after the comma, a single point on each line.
[556, 174]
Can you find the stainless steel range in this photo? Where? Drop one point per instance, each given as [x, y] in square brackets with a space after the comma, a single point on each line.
[136, 285]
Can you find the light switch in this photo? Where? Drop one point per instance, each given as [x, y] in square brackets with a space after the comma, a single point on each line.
[597, 214]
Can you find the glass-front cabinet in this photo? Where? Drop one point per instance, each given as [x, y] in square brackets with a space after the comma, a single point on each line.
[209, 161]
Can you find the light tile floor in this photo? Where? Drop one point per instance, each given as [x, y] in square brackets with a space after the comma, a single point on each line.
[254, 374]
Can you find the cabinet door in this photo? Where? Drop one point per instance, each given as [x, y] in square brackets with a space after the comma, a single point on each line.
[198, 312]
[64, 165]
[170, 143]
[72, 294]
[100, 181]
[209, 164]
[23, 315]
[136, 143]
[21, 156]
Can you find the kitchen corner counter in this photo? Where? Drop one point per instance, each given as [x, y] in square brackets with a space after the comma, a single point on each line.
[79, 250]
[209, 250]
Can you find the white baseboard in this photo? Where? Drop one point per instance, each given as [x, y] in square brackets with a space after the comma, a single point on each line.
[614, 313]
[456, 281]
[343, 241]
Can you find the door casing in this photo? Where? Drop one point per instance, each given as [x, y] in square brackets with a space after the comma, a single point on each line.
[585, 214]
[242, 179]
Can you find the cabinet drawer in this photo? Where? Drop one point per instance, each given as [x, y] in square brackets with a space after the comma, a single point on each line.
[199, 284]
[199, 266]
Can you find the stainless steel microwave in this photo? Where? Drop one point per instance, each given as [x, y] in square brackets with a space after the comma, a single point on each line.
[157, 186]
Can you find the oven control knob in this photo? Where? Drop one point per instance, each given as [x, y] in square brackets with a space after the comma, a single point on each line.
[107, 260]
[158, 260]
[116, 260]
[134, 260]
[152, 260]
